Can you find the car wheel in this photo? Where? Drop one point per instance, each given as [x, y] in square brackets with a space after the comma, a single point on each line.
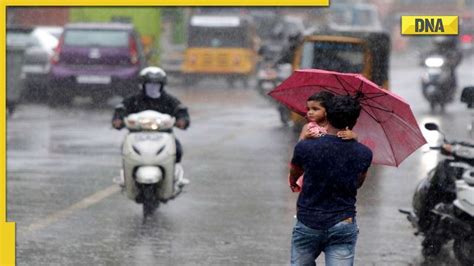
[33, 92]
[59, 97]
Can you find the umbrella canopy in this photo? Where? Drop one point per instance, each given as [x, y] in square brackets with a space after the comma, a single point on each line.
[386, 123]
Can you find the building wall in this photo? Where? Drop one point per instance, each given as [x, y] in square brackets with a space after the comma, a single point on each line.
[35, 16]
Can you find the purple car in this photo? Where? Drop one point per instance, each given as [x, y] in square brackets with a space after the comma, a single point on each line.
[96, 60]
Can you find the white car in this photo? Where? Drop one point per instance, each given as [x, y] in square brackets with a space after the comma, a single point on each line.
[37, 60]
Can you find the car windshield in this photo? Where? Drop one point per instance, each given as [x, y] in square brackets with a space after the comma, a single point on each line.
[217, 37]
[333, 56]
[96, 38]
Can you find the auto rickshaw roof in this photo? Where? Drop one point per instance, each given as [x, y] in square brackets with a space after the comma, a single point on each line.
[217, 21]
[376, 38]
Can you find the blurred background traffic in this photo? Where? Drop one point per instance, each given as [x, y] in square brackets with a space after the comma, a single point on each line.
[67, 67]
[42, 60]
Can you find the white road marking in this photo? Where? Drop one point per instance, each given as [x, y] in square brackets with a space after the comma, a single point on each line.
[85, 203]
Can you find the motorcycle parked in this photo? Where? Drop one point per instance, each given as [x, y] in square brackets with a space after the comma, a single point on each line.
[438, 82]
[462, 219]
[435, 214]
[149, 156]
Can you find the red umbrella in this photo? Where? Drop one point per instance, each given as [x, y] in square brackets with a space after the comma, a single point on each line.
[386, 123]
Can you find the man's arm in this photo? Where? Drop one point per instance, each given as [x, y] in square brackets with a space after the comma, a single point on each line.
[295, 173]
[296, 167]
[117, 118]
[367, 161]
[182, 116]
[122, 110]
[361, 179]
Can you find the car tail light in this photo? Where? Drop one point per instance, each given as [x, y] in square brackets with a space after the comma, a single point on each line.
[132, 45]
[57, 51]
[466, 38]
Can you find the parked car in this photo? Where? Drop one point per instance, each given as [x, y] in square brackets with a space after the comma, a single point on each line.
[37, 61]
[17, 40]
[95, 60]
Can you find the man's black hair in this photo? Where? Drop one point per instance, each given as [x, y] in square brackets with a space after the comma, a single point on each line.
[322, 97]
[343, 111]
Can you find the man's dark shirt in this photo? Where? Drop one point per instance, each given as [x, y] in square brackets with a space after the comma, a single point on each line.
[166, 104]
[331, 170]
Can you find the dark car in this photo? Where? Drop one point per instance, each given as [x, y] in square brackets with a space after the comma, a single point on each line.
[95, 60]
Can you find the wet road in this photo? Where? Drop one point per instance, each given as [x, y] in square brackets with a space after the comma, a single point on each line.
[237, 210]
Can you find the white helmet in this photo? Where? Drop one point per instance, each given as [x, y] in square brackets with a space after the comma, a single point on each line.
[153, 74]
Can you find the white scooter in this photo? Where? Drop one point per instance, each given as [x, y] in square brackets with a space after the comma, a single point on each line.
[150, 171]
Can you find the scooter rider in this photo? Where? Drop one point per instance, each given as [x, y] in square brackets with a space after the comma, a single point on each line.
[152, 96]
[447, 46]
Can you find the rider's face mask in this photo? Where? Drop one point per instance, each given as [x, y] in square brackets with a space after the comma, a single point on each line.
[153, 90]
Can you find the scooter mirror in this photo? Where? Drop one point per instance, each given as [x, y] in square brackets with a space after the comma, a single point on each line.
[467, 96]
[431, 126]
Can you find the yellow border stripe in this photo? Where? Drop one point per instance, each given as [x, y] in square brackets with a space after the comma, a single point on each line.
[7, 247]
[170, 3]
[3, 116]
[7, 230]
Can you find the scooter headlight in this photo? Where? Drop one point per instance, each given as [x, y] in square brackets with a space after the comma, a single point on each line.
[434, 62]
[149, 124]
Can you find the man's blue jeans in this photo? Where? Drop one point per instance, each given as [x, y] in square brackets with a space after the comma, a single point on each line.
[338, 244]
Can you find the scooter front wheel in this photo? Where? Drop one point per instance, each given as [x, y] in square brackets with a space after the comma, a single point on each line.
[150, 203]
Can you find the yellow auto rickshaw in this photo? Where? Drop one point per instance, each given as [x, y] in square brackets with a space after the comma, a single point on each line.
[363, 52]
[220, 46]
